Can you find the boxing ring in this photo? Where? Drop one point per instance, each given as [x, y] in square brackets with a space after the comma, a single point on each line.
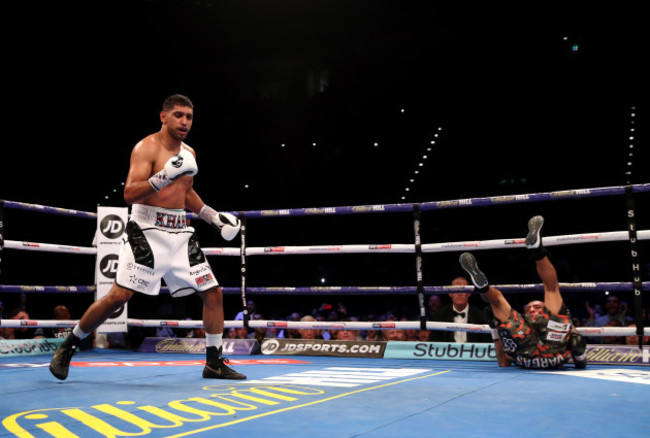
[323, 395]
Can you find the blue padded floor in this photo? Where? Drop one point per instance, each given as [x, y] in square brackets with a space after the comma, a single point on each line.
[124, 393]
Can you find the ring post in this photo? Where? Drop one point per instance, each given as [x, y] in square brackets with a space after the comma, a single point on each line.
[242, 253]
[418, 265]
[632, 235]
[636, 264]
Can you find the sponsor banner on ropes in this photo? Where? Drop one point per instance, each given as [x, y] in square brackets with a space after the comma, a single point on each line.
[236, 347]
[28, 347]
[320, 347]
[617, 355]
[440, 350]
[111, 224]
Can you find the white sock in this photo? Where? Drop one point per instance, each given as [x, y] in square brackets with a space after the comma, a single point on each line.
[78, 332]
[213, 340]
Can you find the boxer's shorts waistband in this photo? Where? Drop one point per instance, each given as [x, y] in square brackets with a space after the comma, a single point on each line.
[159, 217]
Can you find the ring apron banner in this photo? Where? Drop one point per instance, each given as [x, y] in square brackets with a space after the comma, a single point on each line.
[111, 224]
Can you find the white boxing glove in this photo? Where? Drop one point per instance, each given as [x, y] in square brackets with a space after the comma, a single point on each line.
[181, 164]
[227, 224]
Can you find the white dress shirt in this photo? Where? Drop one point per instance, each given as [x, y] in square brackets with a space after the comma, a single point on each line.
[458, 319]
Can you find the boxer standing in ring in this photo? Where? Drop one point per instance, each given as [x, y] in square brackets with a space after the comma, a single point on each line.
[158, 244]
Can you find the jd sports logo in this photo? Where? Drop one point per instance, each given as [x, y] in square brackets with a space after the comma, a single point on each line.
[178, 162]
[108, 265]
[269, 346]
[112, 226]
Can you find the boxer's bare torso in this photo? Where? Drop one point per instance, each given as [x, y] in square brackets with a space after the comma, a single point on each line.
[149, 157]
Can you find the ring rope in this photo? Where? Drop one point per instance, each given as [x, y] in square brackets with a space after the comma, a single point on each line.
[409, 290]
[387, 208]
[457, 203]
[360, 290]
[318, 325]
[429, 247]
[569, 239]
[49, 247]
[11, 288]
[52, 210]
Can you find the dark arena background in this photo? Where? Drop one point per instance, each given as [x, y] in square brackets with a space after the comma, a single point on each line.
[311, 106]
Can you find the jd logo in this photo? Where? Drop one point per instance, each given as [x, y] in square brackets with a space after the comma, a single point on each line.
[112, 226]
[269, 346]
[108, 265]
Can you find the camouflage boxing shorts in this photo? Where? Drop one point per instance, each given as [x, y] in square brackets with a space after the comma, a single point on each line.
[540, 343]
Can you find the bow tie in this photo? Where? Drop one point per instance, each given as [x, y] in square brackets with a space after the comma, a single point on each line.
[461, 314]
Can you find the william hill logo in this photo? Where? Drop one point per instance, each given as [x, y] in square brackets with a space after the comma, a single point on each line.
[129, 418]
[179, 346]
[217, 406]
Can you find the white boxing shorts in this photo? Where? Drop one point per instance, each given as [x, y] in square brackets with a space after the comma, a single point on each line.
[158, 244]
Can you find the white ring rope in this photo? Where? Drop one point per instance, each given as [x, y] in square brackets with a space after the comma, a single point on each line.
[429, 247]
[338, 290]
[568, 239]
[319, 325]
[49, 247]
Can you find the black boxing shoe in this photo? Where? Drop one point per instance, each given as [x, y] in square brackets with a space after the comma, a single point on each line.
[216, 367]
[479, 280]
[60, 363]
[533, 238]
[577, 345]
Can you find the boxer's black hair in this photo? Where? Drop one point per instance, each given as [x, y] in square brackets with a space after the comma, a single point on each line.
[177, 99]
